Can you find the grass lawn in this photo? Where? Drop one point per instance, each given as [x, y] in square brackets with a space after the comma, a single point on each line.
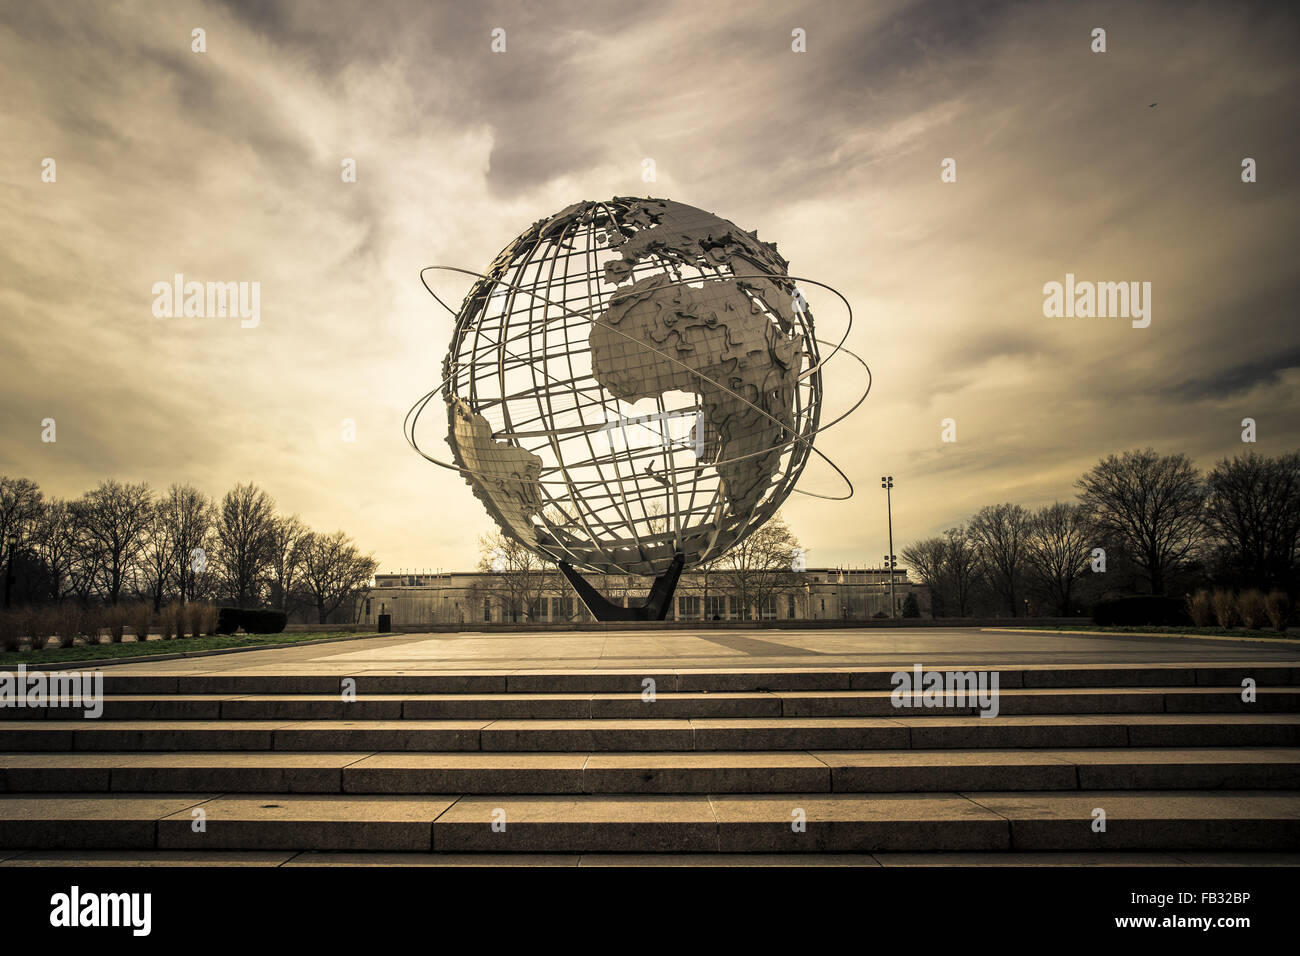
[1291, 635]
[133, 648]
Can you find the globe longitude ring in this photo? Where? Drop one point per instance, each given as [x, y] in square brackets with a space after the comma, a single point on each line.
[633, 386]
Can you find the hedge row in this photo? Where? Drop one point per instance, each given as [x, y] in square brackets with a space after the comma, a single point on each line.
[1142, 609]
[229, 619]
[70, 621]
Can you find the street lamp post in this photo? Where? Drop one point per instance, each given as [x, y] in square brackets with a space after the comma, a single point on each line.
[887, 482]
[11, 545]
[844, 609]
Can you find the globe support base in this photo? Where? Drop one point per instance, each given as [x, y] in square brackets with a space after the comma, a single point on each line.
[655, 607]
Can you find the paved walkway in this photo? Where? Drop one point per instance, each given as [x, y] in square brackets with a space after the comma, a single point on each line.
[708, 649]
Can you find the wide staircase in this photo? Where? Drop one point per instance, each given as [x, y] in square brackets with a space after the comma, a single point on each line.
[1166, 758]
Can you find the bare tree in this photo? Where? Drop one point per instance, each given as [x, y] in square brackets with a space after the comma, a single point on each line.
[55, 537]
[961, 569]
[20, 506]
[188, 514]
[158, 557]
[949, 565]
[86, 568]
[761, 566]
[1254, 507]
[244, 524]
[926, 562]
[334, 571]
[1057, 551]
[112, 519]
[285, 542]
[517, 578]
[999, 533]
[1154, 505]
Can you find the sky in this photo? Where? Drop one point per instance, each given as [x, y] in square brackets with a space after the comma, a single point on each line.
[225, 166]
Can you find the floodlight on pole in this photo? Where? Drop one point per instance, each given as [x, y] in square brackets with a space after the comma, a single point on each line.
[887, 482]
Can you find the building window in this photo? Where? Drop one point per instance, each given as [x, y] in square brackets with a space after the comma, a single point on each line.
[367, 609]
[767, 608]
[789, 608]
[487, 610]
[715, 606]
[688, 608]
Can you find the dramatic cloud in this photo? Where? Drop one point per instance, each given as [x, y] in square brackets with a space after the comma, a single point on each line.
[225, 166]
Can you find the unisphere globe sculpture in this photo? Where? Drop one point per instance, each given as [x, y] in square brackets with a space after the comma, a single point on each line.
[633, 386]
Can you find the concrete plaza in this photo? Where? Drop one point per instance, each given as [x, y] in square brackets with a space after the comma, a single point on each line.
[767, 649]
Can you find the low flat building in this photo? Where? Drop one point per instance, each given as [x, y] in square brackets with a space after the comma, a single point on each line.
[415, 598]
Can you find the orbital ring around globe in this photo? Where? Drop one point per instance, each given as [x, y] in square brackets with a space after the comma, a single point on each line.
[413, 414]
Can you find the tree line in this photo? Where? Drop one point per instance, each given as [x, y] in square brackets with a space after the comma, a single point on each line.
[1140, 523]
[121, 542]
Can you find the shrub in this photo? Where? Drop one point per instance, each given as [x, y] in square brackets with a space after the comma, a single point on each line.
[38, 623]
[194, 619]
[910, 606]
[229, 619]
[1250, 608]
[92, 619]
[1153, 609]
[74, 620]
[1277, 607]
[1200, 608]
[167, 622]
[91, 623]
[141, 614]
[209, 619]
[9, 631]
[1225, 608]
[177, 614]
[53, 622]
[71, 618]
[115, 620]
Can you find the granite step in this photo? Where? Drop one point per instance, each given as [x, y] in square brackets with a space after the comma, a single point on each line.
[744, 704]
[1034, 821]
[864, 771]
[645, 734]
[126, 681]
